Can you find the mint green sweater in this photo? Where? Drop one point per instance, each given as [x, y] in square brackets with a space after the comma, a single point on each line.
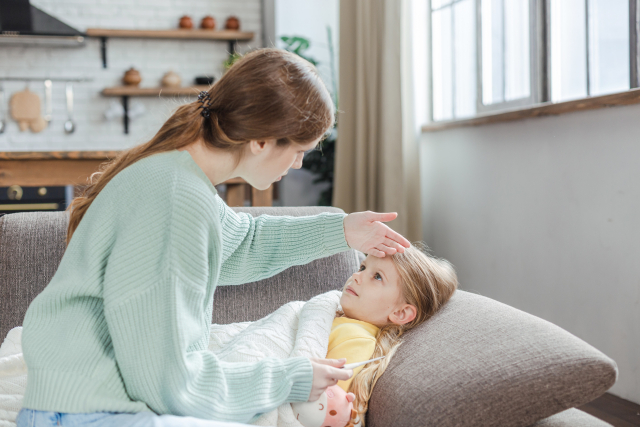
[123, 325]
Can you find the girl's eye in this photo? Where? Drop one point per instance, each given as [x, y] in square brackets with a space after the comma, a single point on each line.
[377, 276]
[361, 267]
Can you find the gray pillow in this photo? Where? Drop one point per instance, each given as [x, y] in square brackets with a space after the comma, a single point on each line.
[479, 362]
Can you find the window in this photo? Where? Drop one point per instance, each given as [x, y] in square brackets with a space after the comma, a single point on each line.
[454, 64]
[589, 48]
[497, 55]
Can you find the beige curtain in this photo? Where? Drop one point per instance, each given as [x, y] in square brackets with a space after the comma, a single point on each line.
[377, 157]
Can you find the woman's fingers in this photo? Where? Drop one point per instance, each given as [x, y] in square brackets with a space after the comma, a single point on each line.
[383, 217]
[386, 249]
[376, 252]
[397, 237]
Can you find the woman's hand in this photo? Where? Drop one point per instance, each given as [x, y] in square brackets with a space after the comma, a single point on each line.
[326, 374]
[365, 232]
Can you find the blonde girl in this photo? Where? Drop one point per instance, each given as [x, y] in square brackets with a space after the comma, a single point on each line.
[387, 296]
[119, 336]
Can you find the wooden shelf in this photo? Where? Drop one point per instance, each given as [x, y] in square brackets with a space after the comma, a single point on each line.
[231, 36]
[153, 91]
[126, 91]
[173, 34]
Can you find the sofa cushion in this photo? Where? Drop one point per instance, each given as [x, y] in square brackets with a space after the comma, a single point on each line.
[32, 245]
[479, 362]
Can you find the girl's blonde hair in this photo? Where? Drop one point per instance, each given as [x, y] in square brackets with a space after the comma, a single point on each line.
[427, 283]
[267, 94]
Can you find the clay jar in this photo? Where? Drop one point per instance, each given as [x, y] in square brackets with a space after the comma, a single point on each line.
[186, 22]
[132, 77]
[208, 23]
[171, 79]
[232, 23]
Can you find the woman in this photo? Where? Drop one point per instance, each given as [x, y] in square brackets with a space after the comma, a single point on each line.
[119, 336]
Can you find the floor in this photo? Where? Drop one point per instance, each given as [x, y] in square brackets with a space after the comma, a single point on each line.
[616, 411]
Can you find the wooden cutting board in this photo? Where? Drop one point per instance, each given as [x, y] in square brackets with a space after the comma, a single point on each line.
[25, 108]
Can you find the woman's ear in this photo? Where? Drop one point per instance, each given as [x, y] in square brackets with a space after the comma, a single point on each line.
[256, 146]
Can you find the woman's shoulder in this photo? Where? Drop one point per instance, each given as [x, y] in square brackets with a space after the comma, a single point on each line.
[169, 171]
[161, 181]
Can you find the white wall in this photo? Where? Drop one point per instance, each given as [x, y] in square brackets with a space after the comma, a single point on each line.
[544, 214]
[151, 57]
[309, 19]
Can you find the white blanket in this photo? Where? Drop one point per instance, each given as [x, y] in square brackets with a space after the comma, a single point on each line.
[296, 329]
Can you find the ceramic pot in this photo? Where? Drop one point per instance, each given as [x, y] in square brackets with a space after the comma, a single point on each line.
[171, 79]
[186, 22]
[208, 23]
[132, 77]
[232, 23]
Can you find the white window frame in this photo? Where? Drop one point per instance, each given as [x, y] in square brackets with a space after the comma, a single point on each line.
[540, 60]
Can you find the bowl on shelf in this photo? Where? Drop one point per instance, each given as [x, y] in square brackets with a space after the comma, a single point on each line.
[208, 23]
[131, 77]
[204, 80]
[171, 79]
[232, 23]
[185, 23]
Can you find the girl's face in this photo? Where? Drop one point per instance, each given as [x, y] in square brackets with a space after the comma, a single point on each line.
[266, 162]
[373, 294]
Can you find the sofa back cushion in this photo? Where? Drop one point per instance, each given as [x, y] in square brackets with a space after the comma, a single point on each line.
[32, 245]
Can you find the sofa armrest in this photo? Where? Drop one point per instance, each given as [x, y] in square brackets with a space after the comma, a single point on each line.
[479, 362]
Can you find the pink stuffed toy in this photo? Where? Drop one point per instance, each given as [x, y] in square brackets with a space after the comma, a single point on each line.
[333, 409]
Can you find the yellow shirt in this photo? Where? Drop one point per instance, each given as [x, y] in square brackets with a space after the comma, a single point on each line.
[353, 339]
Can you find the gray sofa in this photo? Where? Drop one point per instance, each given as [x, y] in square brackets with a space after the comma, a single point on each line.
[478, 362]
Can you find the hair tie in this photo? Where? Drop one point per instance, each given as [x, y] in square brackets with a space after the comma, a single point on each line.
[204, 99]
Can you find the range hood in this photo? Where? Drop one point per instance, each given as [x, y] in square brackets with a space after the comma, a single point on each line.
[22, 23]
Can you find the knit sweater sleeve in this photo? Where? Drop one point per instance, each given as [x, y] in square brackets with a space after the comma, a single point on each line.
[156, 287]
[260, 247]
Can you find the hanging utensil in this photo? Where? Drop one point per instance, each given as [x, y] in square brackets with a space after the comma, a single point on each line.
[48, 89]
[69, 125]
[3, 124]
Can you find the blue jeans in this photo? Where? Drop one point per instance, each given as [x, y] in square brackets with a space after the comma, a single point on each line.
[34, 418]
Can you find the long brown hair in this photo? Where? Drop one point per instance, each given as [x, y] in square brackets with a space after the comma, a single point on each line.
[427, 283]
[267, 94]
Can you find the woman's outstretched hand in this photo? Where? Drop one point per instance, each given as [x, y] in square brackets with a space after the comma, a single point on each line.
[326, 374]
[366, 232]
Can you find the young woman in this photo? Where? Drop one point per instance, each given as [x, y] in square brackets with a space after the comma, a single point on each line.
[119, 336]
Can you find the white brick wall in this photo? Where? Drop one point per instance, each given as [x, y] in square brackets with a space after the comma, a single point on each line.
[151, 57]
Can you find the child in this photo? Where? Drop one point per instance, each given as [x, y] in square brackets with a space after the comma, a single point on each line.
[381, 301]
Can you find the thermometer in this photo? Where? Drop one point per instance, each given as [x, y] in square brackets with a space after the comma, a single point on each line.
[355, 365]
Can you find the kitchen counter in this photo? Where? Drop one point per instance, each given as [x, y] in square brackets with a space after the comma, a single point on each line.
[57, 168]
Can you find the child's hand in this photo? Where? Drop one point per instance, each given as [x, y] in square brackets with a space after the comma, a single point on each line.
[365, 232]
[326, 374]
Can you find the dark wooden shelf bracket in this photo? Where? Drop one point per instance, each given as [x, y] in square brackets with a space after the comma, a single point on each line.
[103, 49]
[125, 117]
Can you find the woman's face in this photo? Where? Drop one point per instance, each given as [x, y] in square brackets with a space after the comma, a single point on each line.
[373, 293]
[267, 163]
